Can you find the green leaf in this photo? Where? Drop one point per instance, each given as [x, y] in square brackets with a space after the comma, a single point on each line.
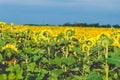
[10, 68]
[56, 61]
[57, 72]
[28, 50]
[96, 48]
[94, 76]
[117, 51]
[68, 61]
[44, 71]
[42, 51]
[35, 50]
[114, 60]
[2, 43]
[30, 76]
[115, 76]
[18, 71]
[45, 43]
[54, 74]
[19, 74]
[53, 42]
[77, 50]
[36, 70]
[36, 57]
[75, 77]
[75, 69]
[1, 57]
[3, 77]
[40, 77]
[31, 66]
[11, 76]
[44, 60]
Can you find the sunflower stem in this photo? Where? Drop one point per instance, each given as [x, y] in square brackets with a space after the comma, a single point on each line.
[106, 64]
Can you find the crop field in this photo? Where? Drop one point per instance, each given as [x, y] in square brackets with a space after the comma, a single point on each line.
[59, 53]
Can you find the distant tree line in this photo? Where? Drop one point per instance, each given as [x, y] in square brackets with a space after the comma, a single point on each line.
[77, 24]
[90, 25]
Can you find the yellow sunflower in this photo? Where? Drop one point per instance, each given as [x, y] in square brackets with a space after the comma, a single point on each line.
[85, 48]
[118, 40]
[2, 24]
[91, 42]
[8, 56]
[69, 32]
[45, 34]
[10, 46]
[83, 38]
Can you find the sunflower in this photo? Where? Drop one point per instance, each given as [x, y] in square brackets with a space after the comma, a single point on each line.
[10, 46]
[69, 32]
[104, 36]
[85, 48]
[34, 36]
[83, 38]
[118, 40]
[45, 34]
[2, 24]
[90, 42]
[8, 52]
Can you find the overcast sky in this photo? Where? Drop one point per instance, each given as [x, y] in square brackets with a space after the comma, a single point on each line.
[60, 11]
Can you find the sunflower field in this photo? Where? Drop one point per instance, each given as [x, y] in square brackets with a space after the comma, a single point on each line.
[59, 53]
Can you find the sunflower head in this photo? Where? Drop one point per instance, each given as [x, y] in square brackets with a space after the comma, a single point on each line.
[89, 43]
[8, 52]
[46, 34]
[11, 46]
[104, 36]
[99, 42]
[2, 24]
[70, 32]
[27, 32]
[83, 38]
[105, 42]
[12, 24]
[117, 40]
[85, 48]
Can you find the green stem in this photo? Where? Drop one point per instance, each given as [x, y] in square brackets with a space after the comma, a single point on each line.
[67, 52]
[48, 48]
[26, 60]
[106, 64]
[98, 54]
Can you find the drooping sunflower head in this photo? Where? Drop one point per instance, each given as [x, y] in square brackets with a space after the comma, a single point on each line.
[2, 24]
[90, 42]
[99, 42]
[85, 48]
[27, 33]
[70, 32]
[9, 53]
[11, 46]
[104, 36]
[83, 38]
[45, 34]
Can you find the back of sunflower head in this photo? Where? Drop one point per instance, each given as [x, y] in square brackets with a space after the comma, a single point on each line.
[2, 24]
